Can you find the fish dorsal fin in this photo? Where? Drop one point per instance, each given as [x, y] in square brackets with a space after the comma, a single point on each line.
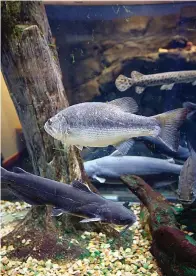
[18, 170]
[80, 186]
[126, 104]
[136, 75]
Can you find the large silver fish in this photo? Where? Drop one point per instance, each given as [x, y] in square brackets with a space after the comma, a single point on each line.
[117, 166]
[97, 124]
[166, 80]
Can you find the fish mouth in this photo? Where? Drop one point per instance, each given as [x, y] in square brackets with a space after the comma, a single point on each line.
[48, 129]
[186, 201]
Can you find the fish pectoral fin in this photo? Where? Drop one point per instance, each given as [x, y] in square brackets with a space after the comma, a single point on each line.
[56, 212]
[167, 86]
[125, 229]
[139, 89]
[80, 186]
[79, 147]
[124, 147]
[194, 83]
[99, 179]
[126, 104]
[115, 153]
[136, 75]
[126, 204]
[171, 160]
[90, 220]
[19, 170]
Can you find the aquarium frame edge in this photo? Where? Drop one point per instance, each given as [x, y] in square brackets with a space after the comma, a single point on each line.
[114, 2]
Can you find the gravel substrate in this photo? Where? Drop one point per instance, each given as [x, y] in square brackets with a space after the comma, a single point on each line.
[101, 260]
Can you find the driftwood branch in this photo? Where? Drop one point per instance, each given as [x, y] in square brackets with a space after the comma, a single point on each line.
[174, 251]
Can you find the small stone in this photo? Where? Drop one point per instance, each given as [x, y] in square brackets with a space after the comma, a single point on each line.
[70, 270]
[23, 241]
[76, 273]
[55, 266]
[86, 261]
[10, 247]
[127, 268]
[133, 267]
[118, 264]
[27, 242]
[5, 260]
[75, 267]
[142, 269]
[145, 265]
[48, 264]
[116, 254]
[128, 250]
[91, 271]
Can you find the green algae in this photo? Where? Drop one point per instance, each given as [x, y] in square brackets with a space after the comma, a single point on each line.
[10, 12]
[191, 240]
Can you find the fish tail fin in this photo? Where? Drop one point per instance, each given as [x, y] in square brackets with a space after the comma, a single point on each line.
[170, 123]
[123, 83]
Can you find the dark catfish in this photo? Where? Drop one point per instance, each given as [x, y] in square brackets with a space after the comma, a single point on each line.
[76, 198]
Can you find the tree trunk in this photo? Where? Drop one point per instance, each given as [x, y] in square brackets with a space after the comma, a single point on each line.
[31, 70]
[174, 251]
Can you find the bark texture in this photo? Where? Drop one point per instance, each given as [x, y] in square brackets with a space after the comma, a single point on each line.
[174, 251]
[31, 70]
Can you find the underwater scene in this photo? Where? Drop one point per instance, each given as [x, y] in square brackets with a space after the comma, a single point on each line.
[98, 138]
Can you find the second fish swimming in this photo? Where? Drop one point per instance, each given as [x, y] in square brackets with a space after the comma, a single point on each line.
[166, 80]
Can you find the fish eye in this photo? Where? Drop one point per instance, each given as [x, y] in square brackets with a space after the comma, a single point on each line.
[49, 122]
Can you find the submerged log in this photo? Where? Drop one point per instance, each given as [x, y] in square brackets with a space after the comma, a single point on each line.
[174, 250]
[31, 70]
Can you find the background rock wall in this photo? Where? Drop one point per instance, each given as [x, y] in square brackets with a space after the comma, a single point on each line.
[93, 53]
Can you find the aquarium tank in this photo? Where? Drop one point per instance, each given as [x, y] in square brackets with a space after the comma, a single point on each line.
[98, 122]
